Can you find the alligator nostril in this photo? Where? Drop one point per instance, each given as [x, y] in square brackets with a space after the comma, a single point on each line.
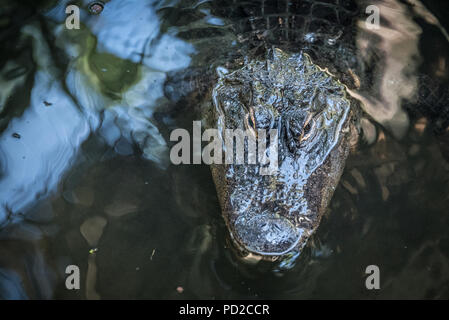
[251, 123]
[307, 128]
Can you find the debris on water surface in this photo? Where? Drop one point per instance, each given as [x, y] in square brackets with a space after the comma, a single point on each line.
[369, 131]
[310, 37]
[421, 125]
[16, 135]
[118, 209]
[349, 187]
[333, 41]
[180, 289]
[152, 254]
[47, 104]
[96, 7]
[92, 229]
[358, 178]
[93, 250]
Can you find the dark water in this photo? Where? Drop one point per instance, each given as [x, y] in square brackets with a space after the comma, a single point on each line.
[85, 179]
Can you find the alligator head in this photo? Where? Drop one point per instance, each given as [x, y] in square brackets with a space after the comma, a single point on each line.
[271, 215]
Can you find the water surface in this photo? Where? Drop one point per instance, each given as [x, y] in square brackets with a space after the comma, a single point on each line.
[85, 177]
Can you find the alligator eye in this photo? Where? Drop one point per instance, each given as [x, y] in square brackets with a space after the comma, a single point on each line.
[251, 123]
[251, 118]
[307, 128]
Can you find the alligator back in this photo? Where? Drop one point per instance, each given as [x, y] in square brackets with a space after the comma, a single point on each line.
[322, 28]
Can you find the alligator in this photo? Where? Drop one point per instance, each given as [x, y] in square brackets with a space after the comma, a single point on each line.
[291, 77]
[294, 71]
[271, 215]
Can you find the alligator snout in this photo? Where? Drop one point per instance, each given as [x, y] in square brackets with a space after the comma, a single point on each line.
[267, 234]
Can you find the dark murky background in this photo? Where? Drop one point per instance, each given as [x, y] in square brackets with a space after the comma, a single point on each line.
[85, 178]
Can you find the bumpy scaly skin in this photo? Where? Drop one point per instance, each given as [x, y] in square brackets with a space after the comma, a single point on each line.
[322, 28]
[272, 215]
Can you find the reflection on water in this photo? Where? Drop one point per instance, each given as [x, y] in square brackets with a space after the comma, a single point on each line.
[85, 178]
